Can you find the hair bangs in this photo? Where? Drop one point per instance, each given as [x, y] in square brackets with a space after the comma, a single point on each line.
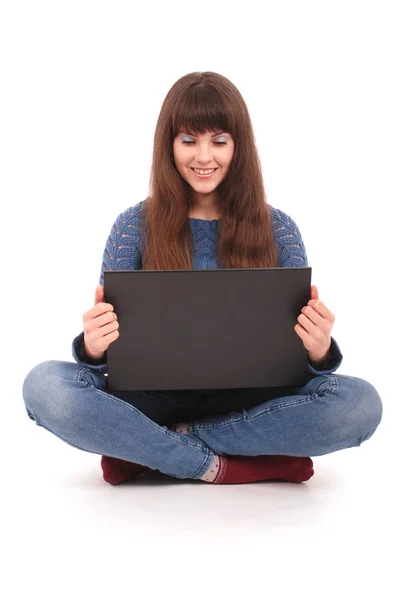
[200, 109]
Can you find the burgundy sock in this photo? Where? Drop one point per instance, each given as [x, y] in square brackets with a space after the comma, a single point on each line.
[116, 470]
[248, 469]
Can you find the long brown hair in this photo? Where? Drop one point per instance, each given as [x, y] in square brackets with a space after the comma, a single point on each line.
[200, 102]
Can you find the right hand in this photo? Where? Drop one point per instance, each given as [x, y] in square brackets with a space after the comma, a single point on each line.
[100, 326]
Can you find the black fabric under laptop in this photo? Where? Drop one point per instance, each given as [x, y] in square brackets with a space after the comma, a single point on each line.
[207, 328]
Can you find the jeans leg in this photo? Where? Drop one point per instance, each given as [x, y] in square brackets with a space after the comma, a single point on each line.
[329, 413]
[72, 402]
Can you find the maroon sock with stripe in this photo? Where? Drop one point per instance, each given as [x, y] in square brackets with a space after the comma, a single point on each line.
[224, 469]
[249, 469]
[116, 470]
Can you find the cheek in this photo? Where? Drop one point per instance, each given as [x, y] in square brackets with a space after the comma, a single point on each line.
[180, 157]
[178, 151]
[227, 162]
[180, 164]
[229, 157]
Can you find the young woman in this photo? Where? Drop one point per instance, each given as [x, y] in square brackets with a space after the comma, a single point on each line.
[206, 210]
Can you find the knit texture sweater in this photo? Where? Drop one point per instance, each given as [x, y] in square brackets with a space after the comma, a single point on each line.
[123, 252]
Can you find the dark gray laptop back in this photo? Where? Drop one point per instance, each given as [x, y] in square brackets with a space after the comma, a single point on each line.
[207, 329]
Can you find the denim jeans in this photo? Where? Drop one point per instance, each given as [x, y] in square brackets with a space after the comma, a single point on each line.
[329, 413]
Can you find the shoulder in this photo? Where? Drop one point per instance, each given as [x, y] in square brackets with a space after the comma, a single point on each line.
[284, 226]
[133, 215]
[129, 222]
[123, 245]
[281, 220]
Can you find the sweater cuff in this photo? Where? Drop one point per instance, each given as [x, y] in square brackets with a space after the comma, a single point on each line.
[334, 361]
[82, 359]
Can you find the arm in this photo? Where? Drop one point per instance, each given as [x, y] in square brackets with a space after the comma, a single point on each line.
[121, 252]
[291, 252]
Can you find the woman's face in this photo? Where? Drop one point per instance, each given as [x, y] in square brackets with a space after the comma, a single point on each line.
[206, 152]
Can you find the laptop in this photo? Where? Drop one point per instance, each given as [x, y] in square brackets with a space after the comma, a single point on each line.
[207, 329]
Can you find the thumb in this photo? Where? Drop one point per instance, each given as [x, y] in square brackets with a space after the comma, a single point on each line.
[314, 293]
[99, 294]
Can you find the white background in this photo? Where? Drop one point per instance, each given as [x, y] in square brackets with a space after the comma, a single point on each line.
[82, 84]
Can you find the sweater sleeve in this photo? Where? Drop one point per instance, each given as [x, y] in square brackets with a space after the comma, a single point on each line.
[122, 252]
[291, 252]
[333, 362]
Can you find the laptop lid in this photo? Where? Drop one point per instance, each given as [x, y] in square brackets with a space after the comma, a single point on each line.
[207, 328]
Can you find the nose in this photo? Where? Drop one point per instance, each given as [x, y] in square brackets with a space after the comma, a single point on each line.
[204, 154]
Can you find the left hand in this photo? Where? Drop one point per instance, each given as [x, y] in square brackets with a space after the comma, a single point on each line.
[314, 327]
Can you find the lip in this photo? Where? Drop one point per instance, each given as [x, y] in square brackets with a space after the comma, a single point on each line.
[204, 176]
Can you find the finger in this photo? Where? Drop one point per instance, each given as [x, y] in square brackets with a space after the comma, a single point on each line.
[104, 342]
[304, 335]
[96, 336]
[99, 309]
[104, 319]
[99, 294]
[309, 326]
[109, 328]
[321, 309]
[314, 316]
[91, 324]
[111, 337]
[322, 330]
[317, 332]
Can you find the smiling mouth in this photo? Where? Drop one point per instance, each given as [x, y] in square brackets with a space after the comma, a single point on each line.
[204, 174]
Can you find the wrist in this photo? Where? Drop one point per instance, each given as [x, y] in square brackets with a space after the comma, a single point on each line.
[319, 359]
[88, 353]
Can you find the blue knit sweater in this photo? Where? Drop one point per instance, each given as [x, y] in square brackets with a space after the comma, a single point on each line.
[123, 252]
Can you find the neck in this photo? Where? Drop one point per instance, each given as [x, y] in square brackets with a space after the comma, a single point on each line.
[204, 207]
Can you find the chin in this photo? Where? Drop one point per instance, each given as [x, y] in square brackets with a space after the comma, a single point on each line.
[202, 190]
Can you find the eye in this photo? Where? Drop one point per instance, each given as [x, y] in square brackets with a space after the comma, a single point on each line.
[218, 142]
